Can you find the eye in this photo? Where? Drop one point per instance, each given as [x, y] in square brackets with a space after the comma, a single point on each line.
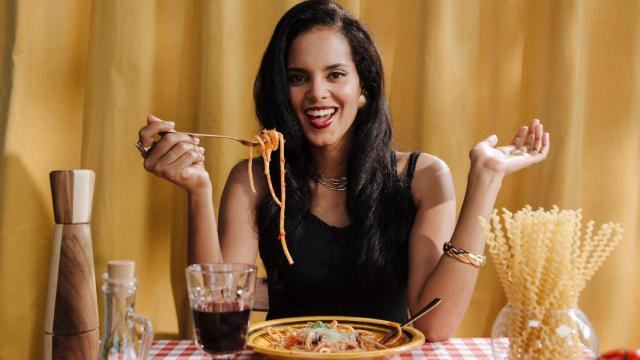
[336, 74]
[296, 78]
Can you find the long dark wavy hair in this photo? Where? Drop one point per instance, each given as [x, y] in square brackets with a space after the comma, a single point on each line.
[379, 210]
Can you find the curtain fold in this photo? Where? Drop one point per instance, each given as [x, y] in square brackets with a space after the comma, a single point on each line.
[77, 79]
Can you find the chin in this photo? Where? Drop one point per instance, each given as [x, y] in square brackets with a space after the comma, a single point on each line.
[322, 141]
[330, 136]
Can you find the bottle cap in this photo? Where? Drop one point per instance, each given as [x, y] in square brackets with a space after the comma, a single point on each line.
[121, 270]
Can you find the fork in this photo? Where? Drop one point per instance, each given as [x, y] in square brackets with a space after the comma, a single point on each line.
[430, 306]
[241, 141]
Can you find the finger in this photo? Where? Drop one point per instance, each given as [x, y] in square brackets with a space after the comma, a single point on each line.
[534, 122]
[530, 139]
[182, 165]
[527, 142]
[167, 144]
[517, 140]
[539, 133]
[173, 146]
[492, 140]
[153, 128]
[546, 144]
[152, 118]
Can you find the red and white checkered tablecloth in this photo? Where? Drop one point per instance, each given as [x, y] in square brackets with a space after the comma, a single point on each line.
[454, 349]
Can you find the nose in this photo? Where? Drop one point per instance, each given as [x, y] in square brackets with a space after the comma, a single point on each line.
[318, 90]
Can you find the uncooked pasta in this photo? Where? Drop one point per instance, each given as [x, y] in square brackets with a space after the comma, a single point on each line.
[544, 262]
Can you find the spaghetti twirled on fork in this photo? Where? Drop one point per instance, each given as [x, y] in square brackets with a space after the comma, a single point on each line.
[272, 140]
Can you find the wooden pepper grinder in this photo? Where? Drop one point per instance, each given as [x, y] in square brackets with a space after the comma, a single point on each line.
[71, 319]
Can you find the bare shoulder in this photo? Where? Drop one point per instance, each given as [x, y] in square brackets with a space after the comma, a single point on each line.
[426, 165]
[430, 165]
[432, 179]
[241, 176]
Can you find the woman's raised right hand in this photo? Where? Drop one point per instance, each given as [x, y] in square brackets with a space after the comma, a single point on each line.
[175, 157]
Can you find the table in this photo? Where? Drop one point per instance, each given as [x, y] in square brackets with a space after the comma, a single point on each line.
[454, 349]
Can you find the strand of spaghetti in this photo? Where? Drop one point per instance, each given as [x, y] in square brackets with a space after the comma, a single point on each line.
[397, 337]
[263, 154]
[274, 334]
[253, 188]
[307, 342]
[274, 138]
[266, 156]
[348, 328]
[283, 195]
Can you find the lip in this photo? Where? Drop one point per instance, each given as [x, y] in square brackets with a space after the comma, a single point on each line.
[323, 122]
[320, 107]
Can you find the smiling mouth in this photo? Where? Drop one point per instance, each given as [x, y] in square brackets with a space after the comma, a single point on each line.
[320, 118]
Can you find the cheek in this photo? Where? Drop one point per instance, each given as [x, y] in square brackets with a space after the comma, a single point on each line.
[297, 97]
[351, 99]
[351, 94]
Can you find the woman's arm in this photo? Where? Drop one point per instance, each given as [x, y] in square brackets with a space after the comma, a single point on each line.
[204, 247]
[432, 275]
[238, 229]
[236, 238]
[178, 159]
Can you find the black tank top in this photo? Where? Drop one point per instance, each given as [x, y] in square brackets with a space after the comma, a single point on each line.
[318, 283]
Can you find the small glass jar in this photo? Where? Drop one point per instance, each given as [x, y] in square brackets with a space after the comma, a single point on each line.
[539, 333]
[123, 328]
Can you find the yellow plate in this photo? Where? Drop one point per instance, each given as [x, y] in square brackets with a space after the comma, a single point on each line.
[257, 342]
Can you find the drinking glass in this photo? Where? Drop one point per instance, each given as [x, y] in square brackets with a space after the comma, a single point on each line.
[221, 297]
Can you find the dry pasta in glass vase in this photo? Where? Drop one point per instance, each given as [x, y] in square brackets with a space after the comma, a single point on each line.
[544, 260]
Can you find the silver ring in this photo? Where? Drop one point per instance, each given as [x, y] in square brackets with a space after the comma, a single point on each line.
[144, 150]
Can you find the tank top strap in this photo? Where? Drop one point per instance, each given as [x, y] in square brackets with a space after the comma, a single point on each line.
[392, 156]
[411, 168]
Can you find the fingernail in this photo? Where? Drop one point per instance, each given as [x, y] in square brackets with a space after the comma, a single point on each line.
[196, 141]
[201, 149]
[170, 123]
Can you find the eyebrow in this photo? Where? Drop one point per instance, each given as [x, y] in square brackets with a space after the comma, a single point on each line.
[330, 67]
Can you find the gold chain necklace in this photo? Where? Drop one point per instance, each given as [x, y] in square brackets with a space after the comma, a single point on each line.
[332, 183]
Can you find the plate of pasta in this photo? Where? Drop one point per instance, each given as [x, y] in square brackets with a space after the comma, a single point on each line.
[330, 337]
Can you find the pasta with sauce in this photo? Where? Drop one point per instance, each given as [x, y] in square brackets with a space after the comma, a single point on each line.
[324, 337]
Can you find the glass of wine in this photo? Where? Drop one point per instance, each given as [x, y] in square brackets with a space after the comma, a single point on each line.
[221, 297]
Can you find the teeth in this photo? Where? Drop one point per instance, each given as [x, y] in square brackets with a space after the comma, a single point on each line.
[323, 112]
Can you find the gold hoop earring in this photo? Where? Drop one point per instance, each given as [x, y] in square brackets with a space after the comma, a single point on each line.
[362, 100]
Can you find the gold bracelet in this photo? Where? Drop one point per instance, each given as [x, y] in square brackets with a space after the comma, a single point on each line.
[463, 255]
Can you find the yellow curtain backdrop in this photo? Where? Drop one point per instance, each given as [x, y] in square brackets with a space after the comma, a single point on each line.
[77, 79]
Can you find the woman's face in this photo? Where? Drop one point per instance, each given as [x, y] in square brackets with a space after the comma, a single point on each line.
[324, 85]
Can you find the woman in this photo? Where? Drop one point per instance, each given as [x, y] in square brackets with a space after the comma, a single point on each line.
[366, 225]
